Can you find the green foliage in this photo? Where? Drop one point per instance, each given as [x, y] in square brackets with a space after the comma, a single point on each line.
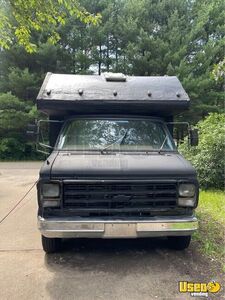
[206, 40]
[14, 117]
[21, 83]
[208, 157]
[211, 233]
[172, 37]
[219, 71]
[20, 19]
[11, 148]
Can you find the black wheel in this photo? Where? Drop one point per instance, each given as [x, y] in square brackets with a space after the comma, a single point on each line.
[50, 245]
[179, 242]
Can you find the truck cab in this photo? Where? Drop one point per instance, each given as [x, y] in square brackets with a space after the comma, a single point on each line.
[114, 170]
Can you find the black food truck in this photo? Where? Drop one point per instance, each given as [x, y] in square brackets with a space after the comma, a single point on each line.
[114, 170]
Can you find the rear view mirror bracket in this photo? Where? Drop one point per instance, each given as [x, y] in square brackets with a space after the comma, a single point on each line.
[179, 134]
[192, 133]
[193, 137]
[32, 132]
[40, 145]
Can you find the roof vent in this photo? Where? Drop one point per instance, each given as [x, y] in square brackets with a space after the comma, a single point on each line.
[118, 77]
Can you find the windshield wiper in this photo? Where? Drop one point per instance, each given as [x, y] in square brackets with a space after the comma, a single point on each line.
[160, 149]
[120, 139]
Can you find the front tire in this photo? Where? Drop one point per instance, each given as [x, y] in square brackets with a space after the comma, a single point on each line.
[179, 242]
[50, 245]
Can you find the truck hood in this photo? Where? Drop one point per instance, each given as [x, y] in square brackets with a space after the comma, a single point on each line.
[73, 166]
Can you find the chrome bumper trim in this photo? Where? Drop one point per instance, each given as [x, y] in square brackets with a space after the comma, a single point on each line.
[74, 228]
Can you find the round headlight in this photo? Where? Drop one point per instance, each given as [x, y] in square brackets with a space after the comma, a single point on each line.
[50, 190]
[187, 190]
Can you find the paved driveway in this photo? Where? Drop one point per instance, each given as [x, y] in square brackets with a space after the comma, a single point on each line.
[86, 269]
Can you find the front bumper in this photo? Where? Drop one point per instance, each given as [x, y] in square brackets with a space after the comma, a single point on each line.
[156, 227]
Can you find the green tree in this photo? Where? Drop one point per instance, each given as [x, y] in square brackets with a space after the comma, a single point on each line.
[205, 45]
[14, 117]
[21, 83]
[219, 71]
[19, 19]
[208, 157]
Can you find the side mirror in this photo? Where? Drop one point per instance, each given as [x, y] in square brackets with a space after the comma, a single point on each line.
[32, 132]
[193, 137]
[45, 133]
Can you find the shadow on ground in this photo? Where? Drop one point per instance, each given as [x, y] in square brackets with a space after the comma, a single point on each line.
[123, 269]
[104, 255]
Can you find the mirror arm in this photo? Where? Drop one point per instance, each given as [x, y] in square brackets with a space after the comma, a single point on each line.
[179, 123]
[42, 151]
[182, 123]
[38, 143]
[45, 145]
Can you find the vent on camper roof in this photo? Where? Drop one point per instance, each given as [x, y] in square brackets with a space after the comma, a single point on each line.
[114, 77]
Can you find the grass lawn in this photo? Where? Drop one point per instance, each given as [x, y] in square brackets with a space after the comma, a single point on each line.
[211, 234]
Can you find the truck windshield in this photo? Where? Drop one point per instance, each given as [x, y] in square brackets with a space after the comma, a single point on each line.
[115, 135]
